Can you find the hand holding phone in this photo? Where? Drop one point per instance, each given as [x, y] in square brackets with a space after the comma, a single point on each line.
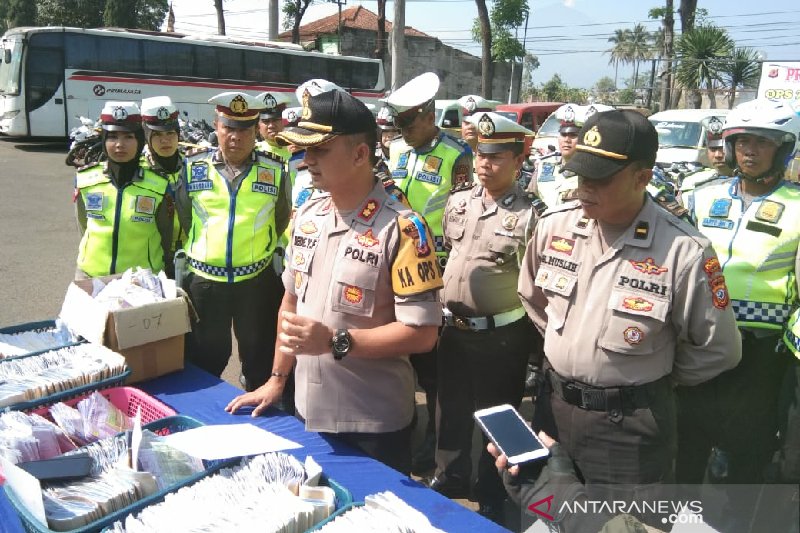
[511, 434]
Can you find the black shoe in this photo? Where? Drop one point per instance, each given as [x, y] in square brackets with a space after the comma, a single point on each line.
[491, 511]
[451, 487]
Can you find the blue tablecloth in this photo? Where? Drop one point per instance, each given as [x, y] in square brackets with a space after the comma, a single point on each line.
[198, 394]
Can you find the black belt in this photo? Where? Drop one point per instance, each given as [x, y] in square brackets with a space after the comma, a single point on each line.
[599, 399]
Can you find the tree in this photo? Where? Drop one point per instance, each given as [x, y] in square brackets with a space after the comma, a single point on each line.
[220, 17]
[494, 32]
[604, 90]
[701, 53]
[380, 50]
[639, 48]
[487, 67]
[619, 52]
[20, 13]
[668, 28]
[120, 14]
[150, 14]
[687, 11]
[294, 11]
[741, 70]
[529, 63]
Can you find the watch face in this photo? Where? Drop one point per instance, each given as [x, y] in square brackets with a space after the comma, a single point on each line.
[341, 344]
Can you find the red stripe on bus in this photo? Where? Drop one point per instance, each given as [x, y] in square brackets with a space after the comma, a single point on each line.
[177, 83]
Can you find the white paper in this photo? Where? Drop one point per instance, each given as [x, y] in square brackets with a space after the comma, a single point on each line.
[313, 472]
[229, 440]
[26, 487]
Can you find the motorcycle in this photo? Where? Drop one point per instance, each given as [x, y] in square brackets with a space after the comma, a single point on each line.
[196, 132]
[86, 147]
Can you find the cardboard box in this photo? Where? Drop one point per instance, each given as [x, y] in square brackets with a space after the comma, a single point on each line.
[149, 336]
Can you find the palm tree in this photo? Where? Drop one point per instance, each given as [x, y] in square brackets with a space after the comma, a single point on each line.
[701, 54]
[619, 52]
[639, 49]
[742, 70]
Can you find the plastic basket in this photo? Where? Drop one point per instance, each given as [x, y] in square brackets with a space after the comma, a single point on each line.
[165, 426]
[127, 400]
[41, 325]
[338, 512]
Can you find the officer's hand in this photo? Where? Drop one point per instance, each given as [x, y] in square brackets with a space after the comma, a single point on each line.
[262, 397]
[304, 335]
[501, 461]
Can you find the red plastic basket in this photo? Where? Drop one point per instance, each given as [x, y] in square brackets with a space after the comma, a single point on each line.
[127, 400]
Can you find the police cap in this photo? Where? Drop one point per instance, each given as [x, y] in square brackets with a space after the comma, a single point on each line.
[274, 104]
[121, 116]
[159, 113]
[497, 133]
[236, 109]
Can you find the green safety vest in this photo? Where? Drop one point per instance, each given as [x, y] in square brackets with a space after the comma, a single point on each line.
[425, 177]
[121, 230]
[178, 235]
[281, 152]
[233, 234]
[756, 248]
[791, 336]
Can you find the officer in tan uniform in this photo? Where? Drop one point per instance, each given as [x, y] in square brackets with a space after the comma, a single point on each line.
[630, 301]
[486, 229]
[472, 104]
[361, 291]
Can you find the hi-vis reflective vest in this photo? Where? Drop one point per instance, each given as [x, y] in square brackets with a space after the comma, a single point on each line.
[281, 152]
[791, 336]
[178, 235]
[121, 230]
[425, 177]
[233, 234]
[756, 248]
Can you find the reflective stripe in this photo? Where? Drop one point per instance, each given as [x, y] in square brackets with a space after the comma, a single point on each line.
[775, 265]
[761, 312]
[228, 272]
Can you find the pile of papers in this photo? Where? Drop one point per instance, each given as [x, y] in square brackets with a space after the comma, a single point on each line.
[382, 512]
[25, 437]
[36, 340]
[48, 373]
[134, 289]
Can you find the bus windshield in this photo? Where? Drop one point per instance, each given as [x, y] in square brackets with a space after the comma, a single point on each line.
[550, 126]
[9, 70]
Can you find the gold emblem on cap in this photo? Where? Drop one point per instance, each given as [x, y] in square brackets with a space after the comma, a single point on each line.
[238, 104]
[592, 137]
[306, 114]
[486, 126]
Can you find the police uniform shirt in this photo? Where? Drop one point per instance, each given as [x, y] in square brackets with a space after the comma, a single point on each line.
[549, 184]
[361, 270]
[486, 246]
[183, 203]
[654, 303]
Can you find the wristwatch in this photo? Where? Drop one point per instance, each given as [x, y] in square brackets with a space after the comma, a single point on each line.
[341, 344]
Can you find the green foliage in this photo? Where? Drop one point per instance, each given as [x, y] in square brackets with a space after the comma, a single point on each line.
[529, 64]
[626, 96]
[19, 13]
[604, 85]
[701, 53]
[509, 13]
[150, 14]
[555, 90]
[120, 14]
[741, 70]
[147, 14]
[505, 17]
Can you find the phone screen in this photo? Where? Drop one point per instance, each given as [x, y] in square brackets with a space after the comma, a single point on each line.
[511, 433]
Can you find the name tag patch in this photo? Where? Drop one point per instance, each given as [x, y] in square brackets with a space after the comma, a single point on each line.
[96, 216]
[399, 173]
[718, 223]
[265, 188]
[202, 185]
[141, 218]
[427, 177]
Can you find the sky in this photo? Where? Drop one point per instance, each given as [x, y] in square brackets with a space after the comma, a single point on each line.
[570, 37]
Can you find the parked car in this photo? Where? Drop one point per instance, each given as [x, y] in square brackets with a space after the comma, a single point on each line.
[682, 135]
[530, 115]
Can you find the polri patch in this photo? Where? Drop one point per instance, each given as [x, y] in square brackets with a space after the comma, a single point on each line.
[427, 177]
[720, 208]
[432, 164]
[94, 201]
[145, 204]
[770, 211]
[633, 335]
[199, 171]
[402, 161]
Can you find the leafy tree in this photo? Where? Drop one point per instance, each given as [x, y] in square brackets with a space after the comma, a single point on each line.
[19, 13]
[741, 70]
[639, 47]
[294, 11]
[604, 90]
[701, 54]
[529, 63]
[494, 32]
[687, 10]
[668, 31]
[3, 11]
[620, 51]
[120, 14]
[150, 14]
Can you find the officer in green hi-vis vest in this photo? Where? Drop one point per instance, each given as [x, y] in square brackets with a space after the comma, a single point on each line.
[271, 122]
[426, 164]
[753, 222]
[234, 200]
[121, 207]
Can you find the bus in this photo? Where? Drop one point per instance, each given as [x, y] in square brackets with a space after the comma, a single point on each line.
[50, 76]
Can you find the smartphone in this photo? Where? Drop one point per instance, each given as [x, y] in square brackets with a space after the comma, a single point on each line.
[511, 434]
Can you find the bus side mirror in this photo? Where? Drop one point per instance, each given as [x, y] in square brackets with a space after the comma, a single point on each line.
[6, 55]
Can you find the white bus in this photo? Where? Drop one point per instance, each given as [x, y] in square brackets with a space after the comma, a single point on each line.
[48, 76]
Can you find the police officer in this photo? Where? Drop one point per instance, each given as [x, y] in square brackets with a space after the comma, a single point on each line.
[388, 132]
[716, 158]
[161, 154]
[361, 291]
[271, 123]
[120, 207]
[470, 105]
[486, 229]
[548, 181]
[235, 200]
[630, 301]
[426, 164]
[753, 221]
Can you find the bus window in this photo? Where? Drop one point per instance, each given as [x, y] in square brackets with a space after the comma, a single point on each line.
[341, 73]
[205, 62]
[167, 59]
[45, 69]
[9, 72]
[81, 52]
[229, 62]
[264, 66]
[365, 75]
[117, 54]
[308, 68]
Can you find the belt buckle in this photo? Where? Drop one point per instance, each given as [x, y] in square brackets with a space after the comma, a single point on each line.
[591, 399]
[461, 323]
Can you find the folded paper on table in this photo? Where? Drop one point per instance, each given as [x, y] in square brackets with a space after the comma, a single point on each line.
[225, 441]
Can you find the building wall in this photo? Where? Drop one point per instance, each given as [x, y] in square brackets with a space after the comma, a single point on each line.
[459, 72]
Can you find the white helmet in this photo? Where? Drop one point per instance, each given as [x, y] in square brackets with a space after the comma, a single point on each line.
[777, 121]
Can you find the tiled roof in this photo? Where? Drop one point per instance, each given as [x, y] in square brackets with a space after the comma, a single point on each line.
[357, 17]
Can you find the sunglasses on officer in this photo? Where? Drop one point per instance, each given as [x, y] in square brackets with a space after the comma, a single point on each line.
[407, 118]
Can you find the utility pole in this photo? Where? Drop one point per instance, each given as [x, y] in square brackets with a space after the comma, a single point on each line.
[339, 30]
[272, 33]
[398, 42]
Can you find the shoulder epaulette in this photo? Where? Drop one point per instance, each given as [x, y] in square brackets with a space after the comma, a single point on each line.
[560, 208]
[464, 186]
[196, 151]
[270, 156]
[88, 167]
[537, 203]
[673, 207]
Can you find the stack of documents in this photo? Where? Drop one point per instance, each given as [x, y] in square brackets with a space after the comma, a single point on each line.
[382, 512]
[24, 342]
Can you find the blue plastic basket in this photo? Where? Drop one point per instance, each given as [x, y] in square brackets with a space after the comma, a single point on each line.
[67, 394]
[41, 325]
[165, 426]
